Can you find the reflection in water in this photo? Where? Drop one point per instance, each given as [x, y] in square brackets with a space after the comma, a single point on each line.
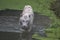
[9, 24]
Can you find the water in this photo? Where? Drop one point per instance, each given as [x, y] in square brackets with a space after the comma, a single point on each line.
[9, 24]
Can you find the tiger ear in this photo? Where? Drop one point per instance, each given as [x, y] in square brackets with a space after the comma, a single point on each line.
[29, 16]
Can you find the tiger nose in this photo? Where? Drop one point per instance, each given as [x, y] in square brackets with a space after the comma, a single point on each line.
[24, 27]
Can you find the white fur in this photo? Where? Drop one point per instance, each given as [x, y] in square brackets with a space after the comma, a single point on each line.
[26, 12]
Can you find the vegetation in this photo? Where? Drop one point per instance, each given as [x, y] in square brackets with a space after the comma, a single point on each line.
[56, 8]
[41, 6]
